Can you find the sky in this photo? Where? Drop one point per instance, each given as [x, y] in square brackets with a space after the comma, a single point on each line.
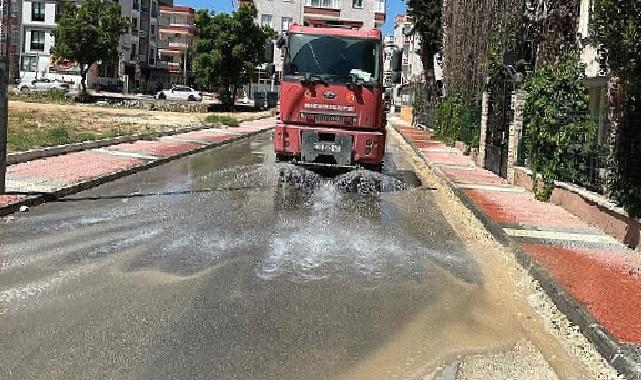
[394, 7]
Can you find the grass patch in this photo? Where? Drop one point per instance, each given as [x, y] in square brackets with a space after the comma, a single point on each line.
[220, 119]
[29, 130]
[26, 139]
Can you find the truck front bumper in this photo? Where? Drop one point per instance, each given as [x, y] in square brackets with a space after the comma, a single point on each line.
[329, 146]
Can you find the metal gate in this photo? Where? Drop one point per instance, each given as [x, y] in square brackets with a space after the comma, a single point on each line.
[499, 118]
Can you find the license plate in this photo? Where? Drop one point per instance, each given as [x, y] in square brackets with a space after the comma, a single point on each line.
[327, 147]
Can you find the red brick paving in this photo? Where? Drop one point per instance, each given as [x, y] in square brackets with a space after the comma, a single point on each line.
[7, 199]
[73, 167]
[448, 158]
[509, 208]
[81, 166]
[607, 283]
[206, 135]
[161, 148]
[477, 176]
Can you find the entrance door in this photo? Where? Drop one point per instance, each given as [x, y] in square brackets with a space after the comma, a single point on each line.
[499, 117]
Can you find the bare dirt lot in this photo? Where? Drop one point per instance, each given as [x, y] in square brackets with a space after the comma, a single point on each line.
[34, 125]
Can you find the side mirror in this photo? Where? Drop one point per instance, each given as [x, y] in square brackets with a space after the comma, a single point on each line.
[397, 60]
[271, 69]
[269, 52]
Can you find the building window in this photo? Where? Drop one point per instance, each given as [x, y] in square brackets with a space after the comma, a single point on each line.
[37, 40]
[134, 53]
[379, 6]
[58, 12]
[322, 3]
[29, 63]
[357, 3]
[266, 20]
[285, 23]
[136, 5]
[37, 11]
[134, 24]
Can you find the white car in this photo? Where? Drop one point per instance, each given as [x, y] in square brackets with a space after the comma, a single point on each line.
[180, 93]
[42, 85]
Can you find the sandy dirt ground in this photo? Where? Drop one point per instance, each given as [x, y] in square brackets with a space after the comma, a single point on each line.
[94, 118]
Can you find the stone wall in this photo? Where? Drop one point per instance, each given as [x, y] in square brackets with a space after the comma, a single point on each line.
[480, 160]
[516, 133]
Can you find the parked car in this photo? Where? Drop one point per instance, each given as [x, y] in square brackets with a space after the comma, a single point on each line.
[180, 93]
[42, 85]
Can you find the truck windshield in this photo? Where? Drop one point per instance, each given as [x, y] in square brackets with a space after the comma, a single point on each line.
[333, 58]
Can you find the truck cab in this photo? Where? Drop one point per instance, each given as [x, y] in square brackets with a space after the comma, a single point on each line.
[331, 101]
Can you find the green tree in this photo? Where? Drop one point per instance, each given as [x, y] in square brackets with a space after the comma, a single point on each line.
[426, 16]
[87, 34]
[556, 121]
[228, 49]
[617, 29]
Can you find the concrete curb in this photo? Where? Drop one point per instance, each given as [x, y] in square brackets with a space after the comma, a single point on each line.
[35, 154]
[622, 357]
[36, 200]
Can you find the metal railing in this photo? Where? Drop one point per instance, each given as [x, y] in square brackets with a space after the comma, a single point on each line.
[585, 164]
[587, 168]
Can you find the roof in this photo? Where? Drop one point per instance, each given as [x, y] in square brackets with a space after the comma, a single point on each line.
[337, 31]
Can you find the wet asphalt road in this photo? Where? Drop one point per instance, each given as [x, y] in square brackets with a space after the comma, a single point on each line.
[211, 267]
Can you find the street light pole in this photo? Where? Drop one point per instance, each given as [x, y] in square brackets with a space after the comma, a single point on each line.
[4, 92]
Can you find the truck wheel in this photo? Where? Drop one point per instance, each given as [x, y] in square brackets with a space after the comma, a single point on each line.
[162, 96]
[24, 90]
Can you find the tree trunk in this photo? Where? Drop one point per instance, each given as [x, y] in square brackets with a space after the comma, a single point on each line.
[83, 83]
[427, 59]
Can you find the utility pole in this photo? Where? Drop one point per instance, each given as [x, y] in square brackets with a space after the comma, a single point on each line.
[4, 89]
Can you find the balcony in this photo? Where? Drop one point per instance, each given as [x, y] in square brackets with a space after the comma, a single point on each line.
[328, 4]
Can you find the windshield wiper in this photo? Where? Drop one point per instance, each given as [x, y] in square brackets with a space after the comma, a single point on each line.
[312, 78]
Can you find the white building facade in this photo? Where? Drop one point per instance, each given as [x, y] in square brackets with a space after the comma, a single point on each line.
[138, 50]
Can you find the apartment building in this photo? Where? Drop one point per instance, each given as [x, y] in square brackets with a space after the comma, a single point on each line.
[138, 65]
[138, 50]
[410, 43]
[38, 18]
[177, 33]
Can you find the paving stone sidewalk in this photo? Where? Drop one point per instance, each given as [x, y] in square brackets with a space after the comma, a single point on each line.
[32, 182]
[592, 278]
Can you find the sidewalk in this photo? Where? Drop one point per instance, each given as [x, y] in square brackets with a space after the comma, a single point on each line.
[592, 278]
[33, 182]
